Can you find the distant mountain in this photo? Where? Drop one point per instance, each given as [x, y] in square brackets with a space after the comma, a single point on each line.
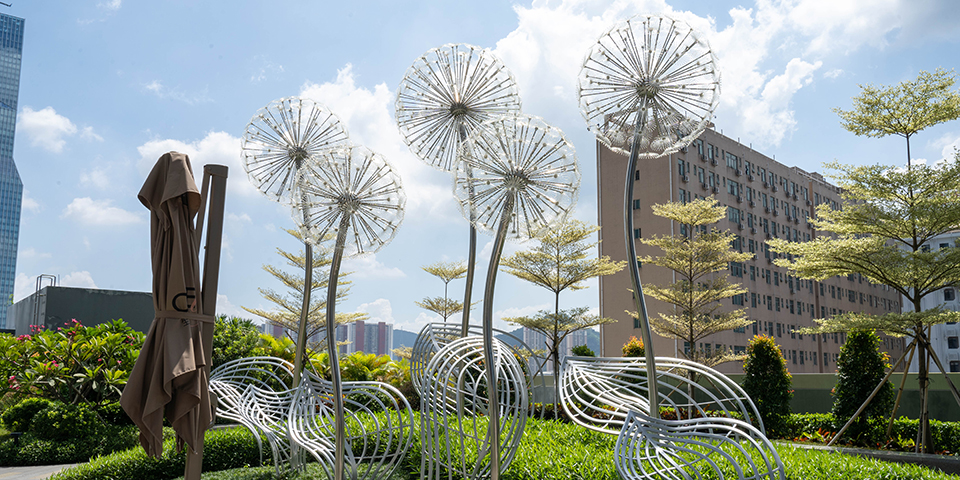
[403, 338]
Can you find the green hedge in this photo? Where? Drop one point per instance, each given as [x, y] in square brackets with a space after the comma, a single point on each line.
[31, 450]
[946, 435]
[223, 449]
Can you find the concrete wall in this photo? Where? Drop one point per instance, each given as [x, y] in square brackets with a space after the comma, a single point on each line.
[54, 306]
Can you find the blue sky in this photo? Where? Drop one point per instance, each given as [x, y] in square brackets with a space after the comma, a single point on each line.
[107, 86]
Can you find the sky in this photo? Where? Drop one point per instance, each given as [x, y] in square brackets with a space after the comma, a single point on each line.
[108, 86]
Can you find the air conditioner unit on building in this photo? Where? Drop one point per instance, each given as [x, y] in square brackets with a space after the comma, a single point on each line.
[766, 185]
[796, 220]
[713, 161]
[773, 187]
[753, 230]
[739, 226]
[683, 150]
[716, 189]
[749, 177]
[753, 204]
[788, 218]
[766, 209]
[739, 199]
[737, 172]
[704, 185]
[794, 196]
[703, 158]
[809, 203]
[686, 179]
[776, 212]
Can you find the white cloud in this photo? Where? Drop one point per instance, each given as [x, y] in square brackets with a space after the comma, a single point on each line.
[80, 279]
[157, 88]
[98, 213]
[379, 310]
[224, 307]
[96, 178]
[31, 253]
[46, 128]
[368, 116]
[514, 312]
[367, 266]
[836, 72]
[23, 286]
[215, 148]
[949, 145]
[110, 5]
[49, 130]
[265, 69]
[28, 203]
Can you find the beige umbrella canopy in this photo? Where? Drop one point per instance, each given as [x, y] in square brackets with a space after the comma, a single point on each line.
[168, 378]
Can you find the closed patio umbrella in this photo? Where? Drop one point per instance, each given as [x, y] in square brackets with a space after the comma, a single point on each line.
[168, 378]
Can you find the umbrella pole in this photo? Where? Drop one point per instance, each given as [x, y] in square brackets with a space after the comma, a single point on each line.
[216, 175]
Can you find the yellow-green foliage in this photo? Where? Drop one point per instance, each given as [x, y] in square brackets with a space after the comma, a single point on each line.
[699, 288]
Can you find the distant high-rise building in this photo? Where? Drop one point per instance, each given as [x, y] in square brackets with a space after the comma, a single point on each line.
[11, 188]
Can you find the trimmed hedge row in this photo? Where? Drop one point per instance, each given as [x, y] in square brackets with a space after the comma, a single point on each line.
[223, 449]
[946, 435]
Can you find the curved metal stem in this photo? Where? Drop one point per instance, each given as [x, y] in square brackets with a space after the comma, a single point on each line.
[339, 427]
[493, 408]
[304, 311]
[472, 254]
[638, 299]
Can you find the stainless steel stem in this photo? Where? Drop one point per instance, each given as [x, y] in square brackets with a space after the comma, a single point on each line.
[339, 427]
[493, 407]
[638, 299]
[304, 311]
[472, 254]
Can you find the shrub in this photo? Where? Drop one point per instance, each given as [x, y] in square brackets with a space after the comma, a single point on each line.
[30, 450]
[860, 368]
[223, 449]
[60, 422]
[17, 418]
[235, 338]
[768, 382]
[633, 348]
[584, 351]
[76, 364]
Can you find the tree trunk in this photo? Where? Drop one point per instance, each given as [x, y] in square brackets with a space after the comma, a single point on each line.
[924, 440]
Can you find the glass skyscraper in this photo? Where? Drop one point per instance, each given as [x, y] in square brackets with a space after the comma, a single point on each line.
[11, 188]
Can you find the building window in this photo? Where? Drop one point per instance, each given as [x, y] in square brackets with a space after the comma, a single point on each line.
[636, 204]
[949, 294]
[953, 342]
[636, 233]
[954, 366]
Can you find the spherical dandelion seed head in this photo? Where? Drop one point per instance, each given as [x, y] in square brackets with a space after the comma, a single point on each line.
[353, 183]
[281, 137]
[446, 94]
[519, 157]
[650, 66]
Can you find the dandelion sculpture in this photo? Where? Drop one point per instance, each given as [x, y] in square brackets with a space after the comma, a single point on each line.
[354, 194]
[445, 96]
[648, 87]
[517, 175]
[277, 143]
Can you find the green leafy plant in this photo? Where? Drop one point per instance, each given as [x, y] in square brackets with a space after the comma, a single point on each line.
[234, 338]
[860, 368]
[74, 364]
[583, 351]
[768, 382]
[633, 348]
[17, 418]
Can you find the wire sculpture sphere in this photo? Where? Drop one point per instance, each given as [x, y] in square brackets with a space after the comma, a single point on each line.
[446, 95]
[281, 138]
[518, 157]
[434, 336]
[453, 427]
[652, 68]
[351, 184]
[379, 426]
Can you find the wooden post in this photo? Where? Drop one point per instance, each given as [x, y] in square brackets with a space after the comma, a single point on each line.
[216, 175]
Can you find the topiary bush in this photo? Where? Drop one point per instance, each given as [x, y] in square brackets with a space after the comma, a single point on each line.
[860, 368]
[583, 351]
[17, 418]
[61, 422]
[633, 348]
[768, 382]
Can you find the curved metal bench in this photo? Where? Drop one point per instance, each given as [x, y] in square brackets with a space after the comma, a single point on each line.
[609, 395]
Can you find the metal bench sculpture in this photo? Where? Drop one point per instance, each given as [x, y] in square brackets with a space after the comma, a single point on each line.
[434, 336]
[378, 421]
[455, 438]
[257, 393]
[609, 395]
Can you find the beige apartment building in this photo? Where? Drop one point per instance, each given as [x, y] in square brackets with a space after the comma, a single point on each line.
[764, 199]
